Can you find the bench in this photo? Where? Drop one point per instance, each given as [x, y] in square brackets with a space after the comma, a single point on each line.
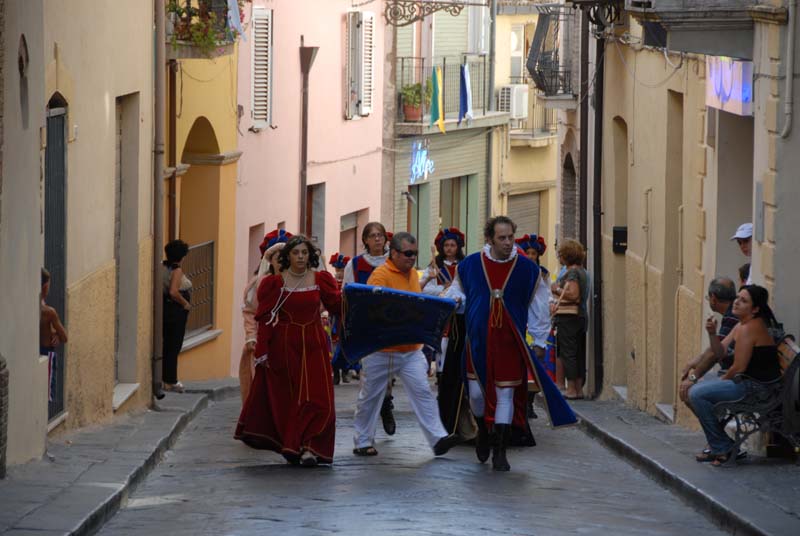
[768, 406]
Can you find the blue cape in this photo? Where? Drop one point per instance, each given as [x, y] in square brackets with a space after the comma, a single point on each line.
[517, 295]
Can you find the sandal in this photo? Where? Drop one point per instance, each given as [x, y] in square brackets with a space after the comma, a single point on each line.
[365, 451]
[721, 460]
[174, 387]
[705, 456]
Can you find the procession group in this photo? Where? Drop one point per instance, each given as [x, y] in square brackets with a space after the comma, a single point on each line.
[493, 357]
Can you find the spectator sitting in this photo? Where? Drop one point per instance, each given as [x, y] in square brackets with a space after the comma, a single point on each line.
[721, 294]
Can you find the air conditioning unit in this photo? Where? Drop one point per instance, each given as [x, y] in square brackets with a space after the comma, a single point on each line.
[513, 99]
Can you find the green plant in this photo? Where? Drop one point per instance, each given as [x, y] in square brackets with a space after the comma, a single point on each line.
[199, 25]
[412, 94]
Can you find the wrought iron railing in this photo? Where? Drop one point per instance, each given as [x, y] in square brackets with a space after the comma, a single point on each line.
[549, 58]
[198, 266]
[415, 74]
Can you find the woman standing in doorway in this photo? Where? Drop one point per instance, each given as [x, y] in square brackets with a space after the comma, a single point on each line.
[177, 298]
[290, 409]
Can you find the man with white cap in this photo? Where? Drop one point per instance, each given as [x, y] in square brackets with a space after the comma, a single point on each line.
[744, 237]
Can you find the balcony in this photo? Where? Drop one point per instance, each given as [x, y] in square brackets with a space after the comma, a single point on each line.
[415, 89]
[539, 125]
[549, 62]
[713, 27]
[199, 29]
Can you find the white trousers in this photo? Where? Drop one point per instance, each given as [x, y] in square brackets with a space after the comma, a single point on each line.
[412, 369]
[503, 413]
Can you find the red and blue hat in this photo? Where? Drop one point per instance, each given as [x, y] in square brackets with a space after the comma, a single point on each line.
[338, 260]
[532, 241]
[449, 233]
[274, 237]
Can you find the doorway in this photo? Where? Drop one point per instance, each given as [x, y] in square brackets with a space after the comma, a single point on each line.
[55, 239]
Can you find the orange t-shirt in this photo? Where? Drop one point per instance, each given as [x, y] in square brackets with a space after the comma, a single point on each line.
[390, 277]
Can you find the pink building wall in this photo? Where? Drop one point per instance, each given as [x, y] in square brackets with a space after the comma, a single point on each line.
[344, 154]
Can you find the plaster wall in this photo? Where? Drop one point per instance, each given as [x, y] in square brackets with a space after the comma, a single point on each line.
[666, 226]
[503, 45]
[344, 154]
[21, 242]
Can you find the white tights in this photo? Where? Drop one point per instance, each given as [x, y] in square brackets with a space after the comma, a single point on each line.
[504, 412]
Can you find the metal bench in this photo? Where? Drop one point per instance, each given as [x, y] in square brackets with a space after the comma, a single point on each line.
[768, 406]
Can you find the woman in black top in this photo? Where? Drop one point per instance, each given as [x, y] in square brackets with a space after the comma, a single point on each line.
[755, 356]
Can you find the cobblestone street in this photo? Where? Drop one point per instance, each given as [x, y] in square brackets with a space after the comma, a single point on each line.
[211, 484]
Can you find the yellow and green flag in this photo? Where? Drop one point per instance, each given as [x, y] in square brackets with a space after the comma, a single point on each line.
[437, 107]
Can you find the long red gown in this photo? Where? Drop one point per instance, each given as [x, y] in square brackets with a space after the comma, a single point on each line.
[291, 407]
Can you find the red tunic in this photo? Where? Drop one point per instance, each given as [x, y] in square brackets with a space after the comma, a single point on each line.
[291, 407]
[506, 355]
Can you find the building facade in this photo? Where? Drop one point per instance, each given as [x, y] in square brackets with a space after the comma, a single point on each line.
[443, 176]
[345, 122]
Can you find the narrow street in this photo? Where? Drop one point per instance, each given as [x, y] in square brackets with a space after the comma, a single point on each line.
[211, 484]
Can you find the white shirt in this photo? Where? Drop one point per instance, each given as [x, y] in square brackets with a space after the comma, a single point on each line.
[432, 287]
[372, 260]
[538, 308]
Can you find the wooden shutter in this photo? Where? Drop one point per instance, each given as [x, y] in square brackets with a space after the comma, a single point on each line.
[261, 68]
[360, 72]
[367, 85]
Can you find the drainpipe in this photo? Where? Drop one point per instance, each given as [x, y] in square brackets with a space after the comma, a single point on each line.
[492, 106]
[158, 195]
[788, 103]
[597, 239]
[3, 415]
[583, 161]
[307, 55]
[646, 229]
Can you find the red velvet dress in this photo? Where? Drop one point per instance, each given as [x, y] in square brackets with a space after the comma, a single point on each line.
[291, 407]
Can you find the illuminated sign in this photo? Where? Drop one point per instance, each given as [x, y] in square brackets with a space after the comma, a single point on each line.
[421, 165]
[729, 85]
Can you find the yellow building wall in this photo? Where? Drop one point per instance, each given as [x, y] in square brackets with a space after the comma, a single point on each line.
[206, 98]
[662, 307]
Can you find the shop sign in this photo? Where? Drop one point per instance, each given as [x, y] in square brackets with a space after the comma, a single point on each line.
[421, 164]
[729, 85]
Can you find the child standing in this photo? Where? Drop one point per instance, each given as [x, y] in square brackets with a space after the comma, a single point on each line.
[52, 333]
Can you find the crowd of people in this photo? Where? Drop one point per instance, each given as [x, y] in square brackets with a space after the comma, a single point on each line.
[491, 361]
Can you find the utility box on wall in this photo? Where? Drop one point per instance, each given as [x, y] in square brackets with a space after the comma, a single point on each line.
[619, 240]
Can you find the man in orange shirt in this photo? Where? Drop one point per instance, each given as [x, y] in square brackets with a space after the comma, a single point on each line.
[406, 362]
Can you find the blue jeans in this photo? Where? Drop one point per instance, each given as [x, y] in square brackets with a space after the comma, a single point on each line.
[702, 398]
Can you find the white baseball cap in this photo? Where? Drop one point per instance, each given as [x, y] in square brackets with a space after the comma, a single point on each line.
[745, 230]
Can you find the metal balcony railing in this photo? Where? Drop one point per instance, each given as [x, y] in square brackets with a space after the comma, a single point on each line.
[199, 268]
[416, 72]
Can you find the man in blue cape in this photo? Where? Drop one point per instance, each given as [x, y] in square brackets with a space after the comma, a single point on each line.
[497, 288]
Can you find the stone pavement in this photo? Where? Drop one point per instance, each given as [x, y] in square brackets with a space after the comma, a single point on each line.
[757, 496]
[211, 485]
[87, 475]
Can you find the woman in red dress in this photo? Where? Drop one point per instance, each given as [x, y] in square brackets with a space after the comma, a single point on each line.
[290, 409]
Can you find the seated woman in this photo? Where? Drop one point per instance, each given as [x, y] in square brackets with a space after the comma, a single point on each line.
[290, 409]
[755, 356]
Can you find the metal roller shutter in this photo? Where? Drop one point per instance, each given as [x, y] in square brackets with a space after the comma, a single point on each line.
[524, 210]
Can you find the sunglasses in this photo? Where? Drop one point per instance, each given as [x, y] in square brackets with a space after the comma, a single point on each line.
[409, 253]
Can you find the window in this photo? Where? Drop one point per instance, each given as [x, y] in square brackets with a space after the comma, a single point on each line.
[261, 68]
[360, 83]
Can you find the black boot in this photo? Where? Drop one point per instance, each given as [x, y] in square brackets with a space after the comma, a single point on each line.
[336, 376]
[482, 446]
[502, 434]
[389, 426]
[531, 412]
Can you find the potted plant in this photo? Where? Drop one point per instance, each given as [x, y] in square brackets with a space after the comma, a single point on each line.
[412, 99]
[199, 27]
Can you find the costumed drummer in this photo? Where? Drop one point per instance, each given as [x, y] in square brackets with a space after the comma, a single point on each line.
[340, 367]
[376, 250]
[498, 289]
[436, 279]
[405, 361]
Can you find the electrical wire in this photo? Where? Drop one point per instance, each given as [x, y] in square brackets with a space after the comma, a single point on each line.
[640, 82]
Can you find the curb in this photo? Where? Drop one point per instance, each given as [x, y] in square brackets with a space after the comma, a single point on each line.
[720, 514]
[103, 513]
